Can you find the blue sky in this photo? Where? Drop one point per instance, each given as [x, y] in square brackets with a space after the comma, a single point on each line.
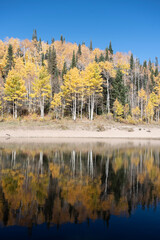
[131, 25]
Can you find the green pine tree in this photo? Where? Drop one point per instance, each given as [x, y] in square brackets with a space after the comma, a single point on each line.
[52, 64]
[34, 36]
[73, 64]
[42, 59]
[39, 46]
[96, 58]
[90, 47]
[64, 70]
[79, 49]
[101, 58]
[110, 48]
[131, 62]
[48, 57]
[53, 70]
[118, 89]
[156, 70]
[145, 64]
[10, 60]
[61, 39]
[52, 40]
[150, 65]
[107, 56]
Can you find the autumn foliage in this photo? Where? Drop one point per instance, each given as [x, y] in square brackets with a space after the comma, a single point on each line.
[66, 79]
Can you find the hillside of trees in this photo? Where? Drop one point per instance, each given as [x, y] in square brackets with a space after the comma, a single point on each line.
[65, 79]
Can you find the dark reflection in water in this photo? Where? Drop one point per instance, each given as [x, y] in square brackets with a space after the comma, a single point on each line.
[75, 191]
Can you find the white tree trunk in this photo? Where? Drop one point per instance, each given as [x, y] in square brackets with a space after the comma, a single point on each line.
[15, 111]
[42, 108]
[92, 106]
[81, 107]
[89, 108]
[74, 108]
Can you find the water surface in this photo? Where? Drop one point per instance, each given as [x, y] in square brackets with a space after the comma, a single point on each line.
[80, 190]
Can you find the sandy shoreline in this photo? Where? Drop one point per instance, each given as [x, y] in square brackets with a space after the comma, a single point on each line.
[126, 132]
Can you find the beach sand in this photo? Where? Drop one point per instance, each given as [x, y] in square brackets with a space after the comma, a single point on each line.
[116, 132]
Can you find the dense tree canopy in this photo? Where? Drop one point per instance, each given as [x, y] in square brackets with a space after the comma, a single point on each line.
[76, 80]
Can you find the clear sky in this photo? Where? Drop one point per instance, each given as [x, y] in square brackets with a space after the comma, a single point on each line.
[131, 25]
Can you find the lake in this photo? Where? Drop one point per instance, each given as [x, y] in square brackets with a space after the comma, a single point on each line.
[75, 190]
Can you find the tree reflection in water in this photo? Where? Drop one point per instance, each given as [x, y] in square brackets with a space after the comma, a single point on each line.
[73, 183]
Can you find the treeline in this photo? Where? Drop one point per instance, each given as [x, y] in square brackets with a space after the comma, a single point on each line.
[67, 79]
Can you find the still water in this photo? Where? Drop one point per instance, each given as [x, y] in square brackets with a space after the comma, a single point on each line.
[80, 191]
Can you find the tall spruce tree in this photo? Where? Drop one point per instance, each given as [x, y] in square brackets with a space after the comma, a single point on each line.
[110, 48]
[79, 49]
[145, 64]
[42, 59]
[52, 40]
[118, 89]
[156, 65]
[10, 60]
[73, 64]
[39, 46]
[64, 70]
[52, 69]
[150, 65]
[91, 47]
[52, 62]
[131, 62]
[61, 39]
[34, 36]
[107, 56]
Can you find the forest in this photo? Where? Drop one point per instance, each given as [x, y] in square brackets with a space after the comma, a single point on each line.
[64, 79]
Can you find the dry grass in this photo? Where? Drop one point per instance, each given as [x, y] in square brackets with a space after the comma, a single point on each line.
[100, 123]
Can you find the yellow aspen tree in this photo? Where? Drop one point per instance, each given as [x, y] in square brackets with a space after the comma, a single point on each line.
[108, 71]
[56, 103]
[149, 111]
[94, 85]
[82, 90]
[42, 88]
[31, 73]
[70, 89]
[14, 89]
[126, 110]
[155, 102]
[20, 67]
[136, 113]
[118, 108]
